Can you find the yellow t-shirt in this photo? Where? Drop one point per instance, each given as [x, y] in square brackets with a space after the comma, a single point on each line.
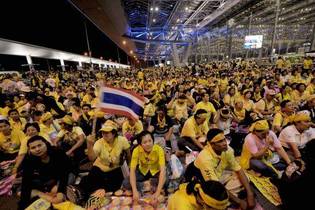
[135, 129]
[206, 106]
[148, 162]
[193, 130]
[307, 64]
[4, 111]
[11, 144]
[108, 156]
[18, 125]
[149, 110]
[212, 165]
[180, 200]
[248, 105]
[281, 120]
[280, 64]
[180, 110]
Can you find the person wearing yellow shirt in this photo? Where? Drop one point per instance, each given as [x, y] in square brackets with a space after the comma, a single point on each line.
[194, 132]
[300, 95]
[89, 96]
[131, 127]
[217, 162]
[140, 75]
[229, 98]
[147, 162]
[239, 111]
[8, 105]
[15, 120]
[286, 93]
[283, 117]
[49, 128]
[248, 104]
[266, 106]
[206, 105]
[257, 93]
[280, 63]
[223, 84]
[179, 106]
[107, 154]
[308, 63]
[199, 195]
[311, 87]
[10, 140]
[71, 138]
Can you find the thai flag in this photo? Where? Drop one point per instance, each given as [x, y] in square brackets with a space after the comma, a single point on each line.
[121, 102]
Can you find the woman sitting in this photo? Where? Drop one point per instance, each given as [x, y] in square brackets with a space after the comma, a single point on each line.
[199, 195]
[107, 154]
[44, 173]
[148, 161]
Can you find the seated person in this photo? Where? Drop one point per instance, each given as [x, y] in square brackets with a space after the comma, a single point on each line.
[194, 132]
[294, 137]
[147, 161]
[131, 128]
[10, 140]
[199, 195]
[45, 173]
[162, 126]
[107, 154]
[216, 162]
[261, 151]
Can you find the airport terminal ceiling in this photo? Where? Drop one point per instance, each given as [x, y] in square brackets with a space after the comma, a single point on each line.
[202, 29]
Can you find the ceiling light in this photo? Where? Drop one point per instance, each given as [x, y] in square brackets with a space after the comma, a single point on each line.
[124, 42]
[151, 9]
[186, 8]
[156, 8]
[154, 20]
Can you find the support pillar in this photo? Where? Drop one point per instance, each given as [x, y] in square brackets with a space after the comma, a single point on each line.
[30, 62]
[175, 55]
[62, 63]
[249, 29]
[313, 39]
[187, 53]
[275, 27]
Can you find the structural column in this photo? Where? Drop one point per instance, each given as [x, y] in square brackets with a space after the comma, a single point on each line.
[30, 62]
[275, 27]
[62, 63]
[175, 55]
[249, 29]
[313, 39]
[187, 53]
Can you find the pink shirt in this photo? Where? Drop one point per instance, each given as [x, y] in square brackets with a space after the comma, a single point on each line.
[254, 144]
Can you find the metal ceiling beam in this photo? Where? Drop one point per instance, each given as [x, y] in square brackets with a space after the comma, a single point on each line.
[219, 11]
[157, 41]
[196, 12]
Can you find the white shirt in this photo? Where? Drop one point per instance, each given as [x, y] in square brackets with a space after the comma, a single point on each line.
[291, 135]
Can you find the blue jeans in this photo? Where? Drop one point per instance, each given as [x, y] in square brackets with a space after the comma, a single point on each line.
[265, 170]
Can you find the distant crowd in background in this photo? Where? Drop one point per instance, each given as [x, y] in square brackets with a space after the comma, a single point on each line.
[211, 136]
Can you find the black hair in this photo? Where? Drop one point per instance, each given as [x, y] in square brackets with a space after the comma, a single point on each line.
[12, 110]
[140, 136]
[212, 133]
[34, 124]
[5, 121]
[38, 138]
[284, 103]
[198, 112]
[37, 113]
[212, 188]
[88, 105]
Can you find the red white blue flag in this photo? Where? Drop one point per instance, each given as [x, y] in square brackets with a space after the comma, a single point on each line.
[121, 102]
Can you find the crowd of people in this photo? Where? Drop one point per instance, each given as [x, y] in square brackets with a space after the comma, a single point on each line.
[239, 120]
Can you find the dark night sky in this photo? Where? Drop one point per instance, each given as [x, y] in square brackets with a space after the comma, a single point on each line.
[54, 24]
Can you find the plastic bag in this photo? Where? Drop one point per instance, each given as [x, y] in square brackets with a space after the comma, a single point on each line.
[176, 166]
